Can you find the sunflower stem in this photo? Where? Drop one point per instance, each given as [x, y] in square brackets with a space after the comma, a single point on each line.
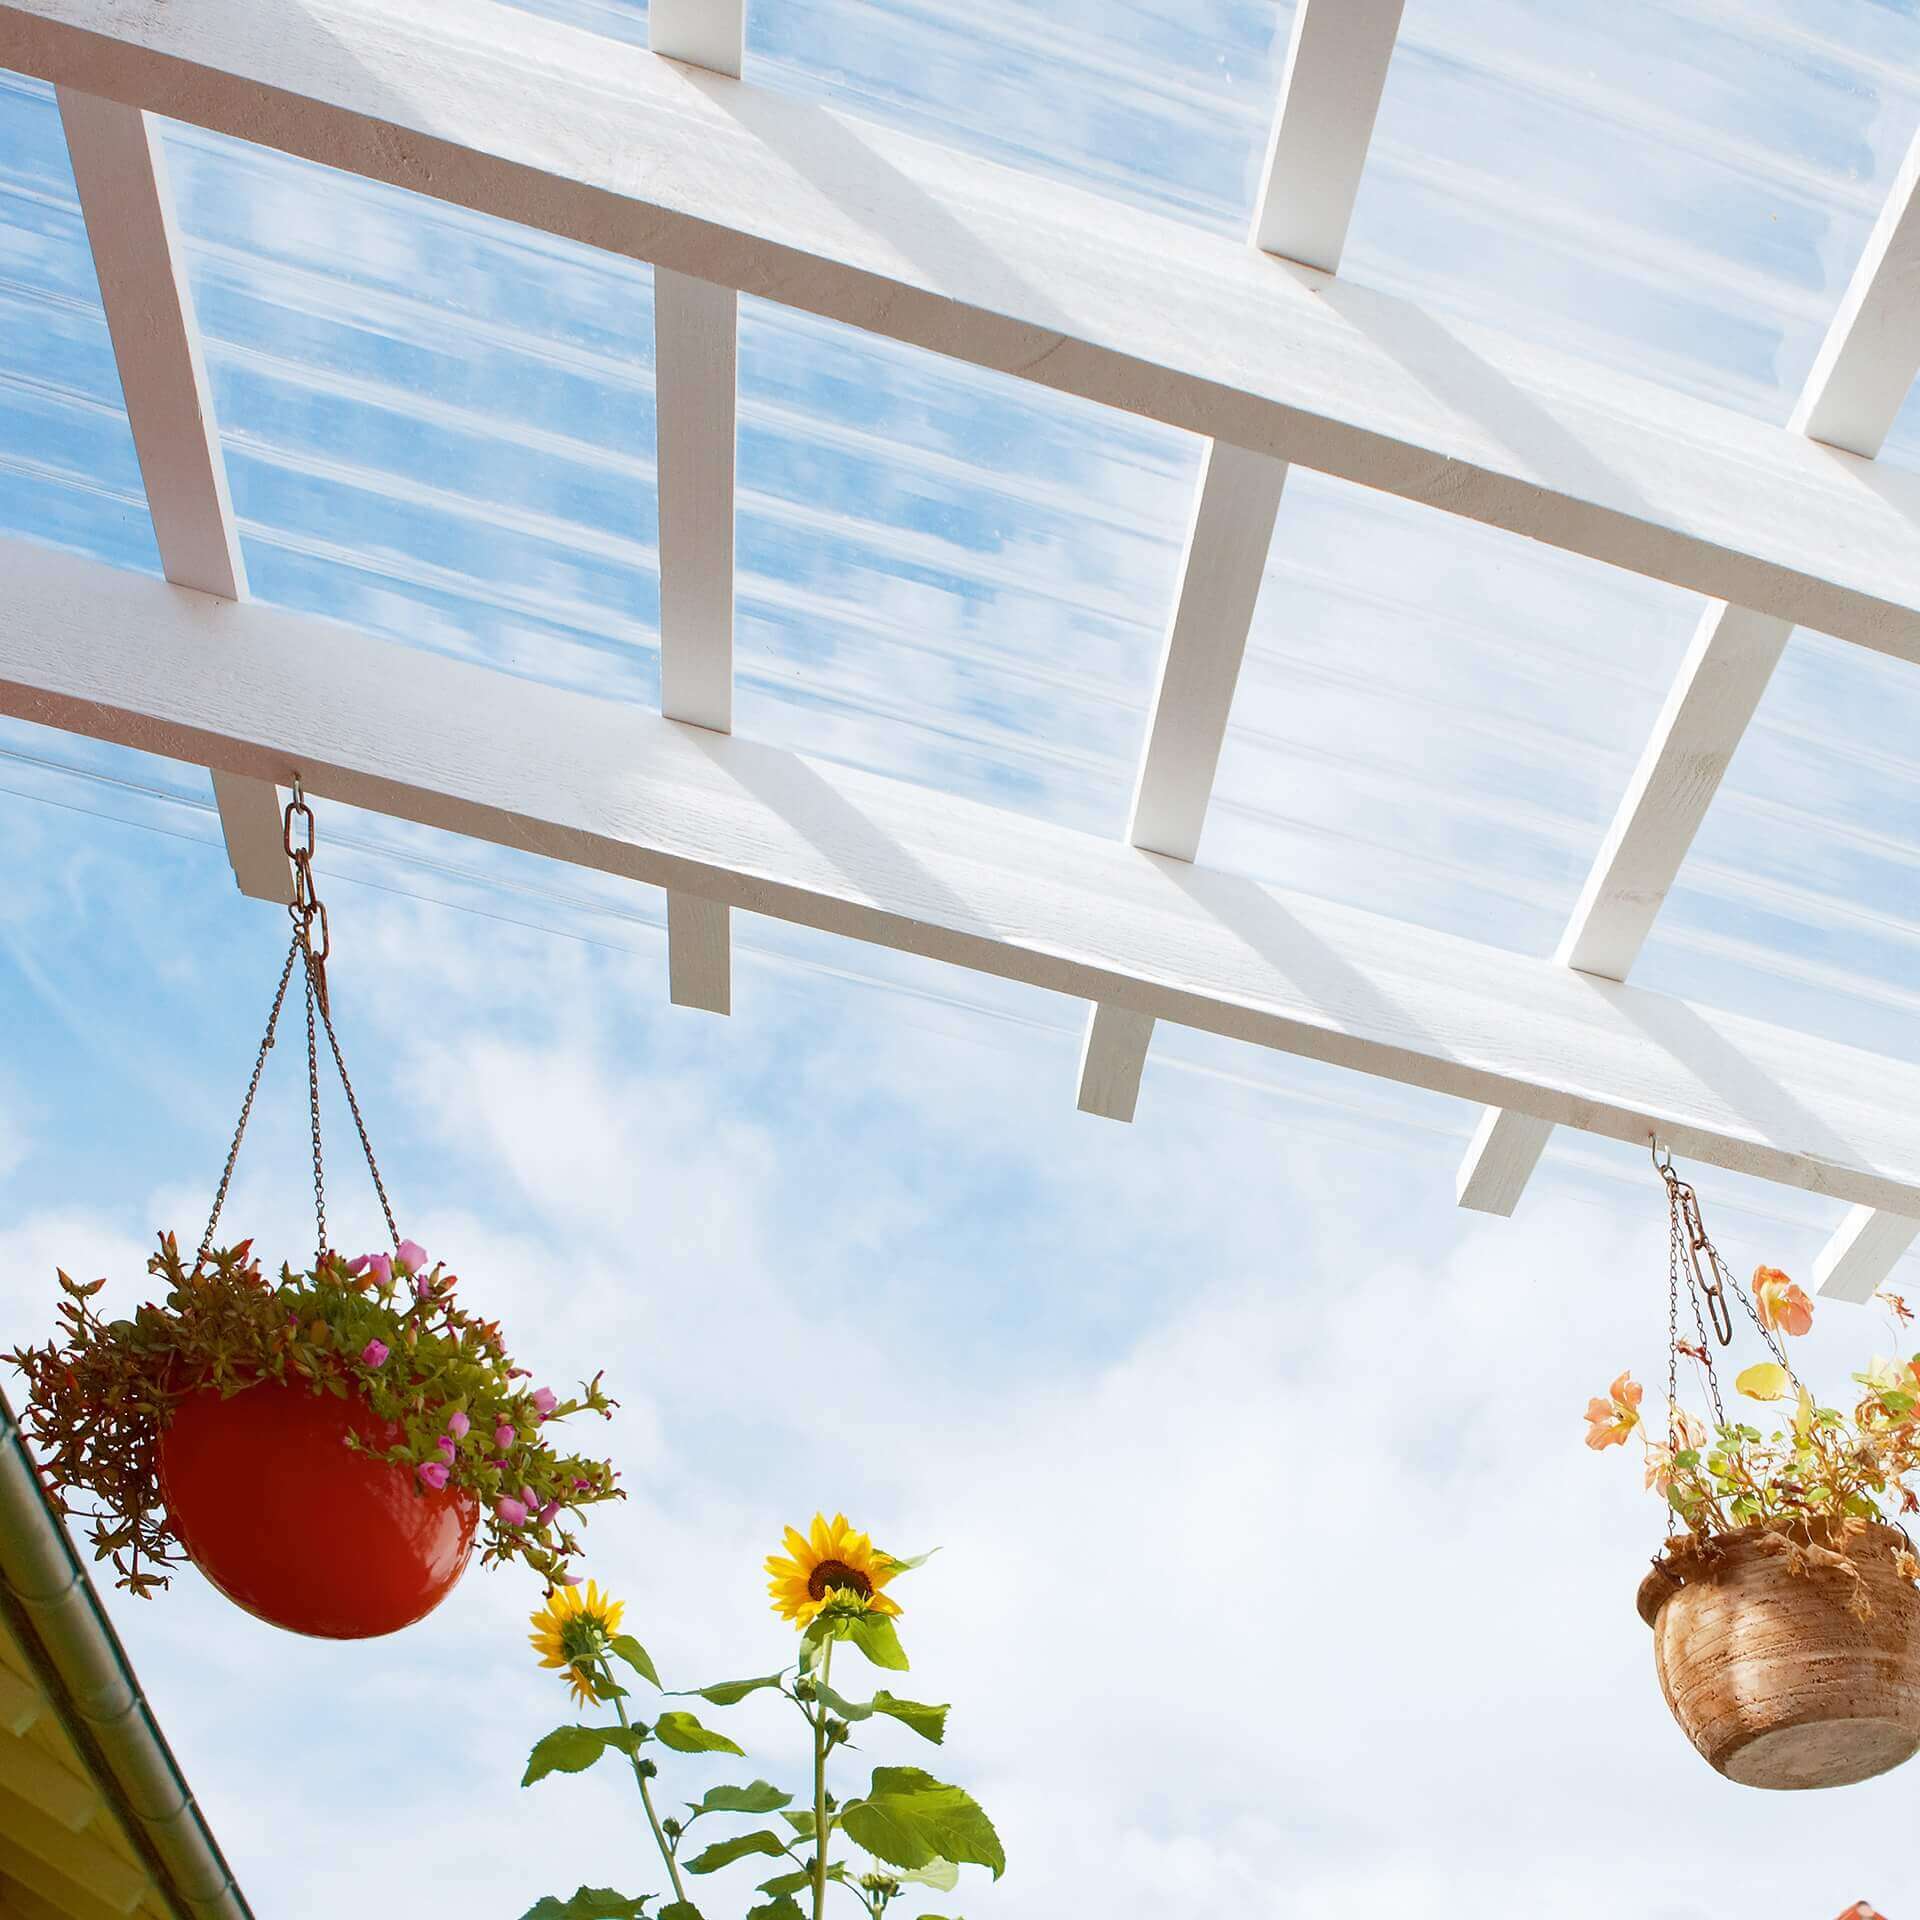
[646, 1798]
[821, 1829]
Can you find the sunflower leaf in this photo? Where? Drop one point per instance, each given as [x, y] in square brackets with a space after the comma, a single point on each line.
[680, 1910]
[589, 1903]
[728, 1693]
[930, 1723]
[801, 1821]
[845, 1708]
[941, 1875]
[564, 1750]
[784, 1907]
[684, 1734]
[783, 1884]
[723, 1853]
[636, 1656]
[910, 1819]
[760, 1797]
[873, 1634]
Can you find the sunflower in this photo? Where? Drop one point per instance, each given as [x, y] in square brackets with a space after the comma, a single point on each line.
[826, 1563]
[573, 1631]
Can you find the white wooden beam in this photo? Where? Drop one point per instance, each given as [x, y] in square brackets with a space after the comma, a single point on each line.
[696, 328]
[119, 168]
[609, 786]
[1859, 380]
[1329, 97]
[786, 198]
[1862, 1254]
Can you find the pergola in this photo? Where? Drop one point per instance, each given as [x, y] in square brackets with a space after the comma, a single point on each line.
[667, 157]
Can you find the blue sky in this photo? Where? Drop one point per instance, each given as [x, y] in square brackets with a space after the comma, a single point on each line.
[1275, 1578]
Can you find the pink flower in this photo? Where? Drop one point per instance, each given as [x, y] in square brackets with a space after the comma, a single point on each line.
[432, 1474]
[569, 1579]
[503, 1436]
[457, 1425]
[357, 1267]
[529, 1499]
[499, 1465]
[583, 1486]
[545, 1401]
[411, 1257]
[510, 1511]
[374, 1354]
[381, 1267]
[446, 1446]
[546, 1513]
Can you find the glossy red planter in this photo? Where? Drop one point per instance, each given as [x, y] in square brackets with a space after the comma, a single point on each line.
[275, 1509]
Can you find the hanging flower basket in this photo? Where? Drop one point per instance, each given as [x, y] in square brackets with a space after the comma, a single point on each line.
[347, 1547]
[1785, 1616]
[1771, 1670]
[328, 1447]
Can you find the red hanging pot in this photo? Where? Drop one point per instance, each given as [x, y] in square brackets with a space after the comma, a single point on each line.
[290, 1523]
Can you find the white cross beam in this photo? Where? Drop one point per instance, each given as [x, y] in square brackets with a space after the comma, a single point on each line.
[1864, 370]
[120, 170]
[250, 688]
[1329, 97]
[695, 375]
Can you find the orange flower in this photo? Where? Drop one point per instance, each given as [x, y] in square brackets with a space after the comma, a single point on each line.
[1609, 1421]
[1781, 1304]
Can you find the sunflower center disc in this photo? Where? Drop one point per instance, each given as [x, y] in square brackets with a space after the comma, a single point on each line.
[830, 1574]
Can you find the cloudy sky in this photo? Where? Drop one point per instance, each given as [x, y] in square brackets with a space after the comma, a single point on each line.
[1275, 1578]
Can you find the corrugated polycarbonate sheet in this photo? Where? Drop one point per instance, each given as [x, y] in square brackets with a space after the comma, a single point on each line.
[442, 428]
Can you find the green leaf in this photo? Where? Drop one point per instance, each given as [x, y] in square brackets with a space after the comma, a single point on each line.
[589, 1903]
[684, 1734]
[785, 1883]
[680, 1910]
[723, 1853]
[628, 1739]
[910, 1819]
[930, 1723]
[728, 1693]
[941, 1875]
[845, 1708]
[801, 1822]
[761, 1797]
[564, 1750]
[636, 1656]
[785, 1907]
[873, 1634]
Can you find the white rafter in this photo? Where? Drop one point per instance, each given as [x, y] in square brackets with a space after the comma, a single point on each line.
[1329, 96]
[1864, 370]
[603, 784]
[696, 327]
[120, 170]
[838, 216]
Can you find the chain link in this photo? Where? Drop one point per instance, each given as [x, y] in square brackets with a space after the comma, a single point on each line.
[306, 909]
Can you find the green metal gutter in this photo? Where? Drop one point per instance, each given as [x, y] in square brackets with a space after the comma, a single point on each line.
[45, 1592]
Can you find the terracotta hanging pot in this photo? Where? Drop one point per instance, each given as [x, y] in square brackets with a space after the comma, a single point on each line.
[290, 1523]
[1773, 1677]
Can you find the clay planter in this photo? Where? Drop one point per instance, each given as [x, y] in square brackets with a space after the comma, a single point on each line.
[274, 1509]
[1773, 1679]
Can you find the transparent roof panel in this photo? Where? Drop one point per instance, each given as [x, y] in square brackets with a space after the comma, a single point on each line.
[437, 425]
[67, 469]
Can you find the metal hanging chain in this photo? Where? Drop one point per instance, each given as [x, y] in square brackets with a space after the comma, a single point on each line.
[307, 910]
[1695, 1262]
[246, 1105]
